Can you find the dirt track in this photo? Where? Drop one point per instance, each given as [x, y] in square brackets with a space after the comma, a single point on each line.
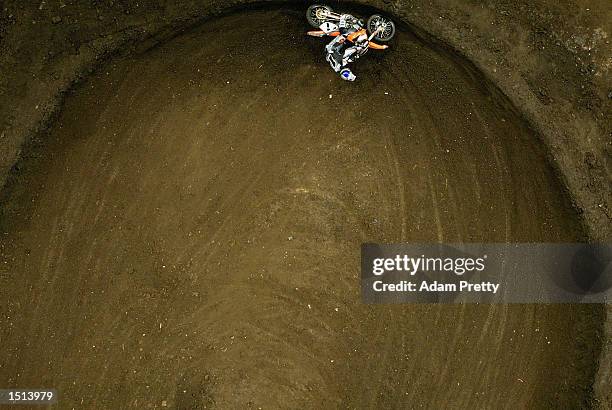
[189, 233]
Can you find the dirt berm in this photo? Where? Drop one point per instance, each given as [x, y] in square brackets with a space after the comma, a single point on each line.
[181, 227]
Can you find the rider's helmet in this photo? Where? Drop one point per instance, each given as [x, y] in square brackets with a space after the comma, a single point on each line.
[347, 74]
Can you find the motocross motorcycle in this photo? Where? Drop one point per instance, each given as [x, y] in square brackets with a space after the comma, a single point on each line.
[352, 36]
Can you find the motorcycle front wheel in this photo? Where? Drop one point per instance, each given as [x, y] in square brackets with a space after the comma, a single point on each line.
[386, 26]
[316, 14]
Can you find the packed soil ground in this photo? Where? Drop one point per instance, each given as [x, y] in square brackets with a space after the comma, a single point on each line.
[187, 234]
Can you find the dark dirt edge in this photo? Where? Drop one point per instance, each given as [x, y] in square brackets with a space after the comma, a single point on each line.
[138, 40]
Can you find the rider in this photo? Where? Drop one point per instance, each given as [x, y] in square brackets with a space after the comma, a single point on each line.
[339, 55]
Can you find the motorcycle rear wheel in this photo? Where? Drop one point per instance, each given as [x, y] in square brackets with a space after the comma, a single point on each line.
[313, 14]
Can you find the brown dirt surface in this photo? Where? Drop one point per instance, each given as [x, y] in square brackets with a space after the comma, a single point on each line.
[187, 233]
